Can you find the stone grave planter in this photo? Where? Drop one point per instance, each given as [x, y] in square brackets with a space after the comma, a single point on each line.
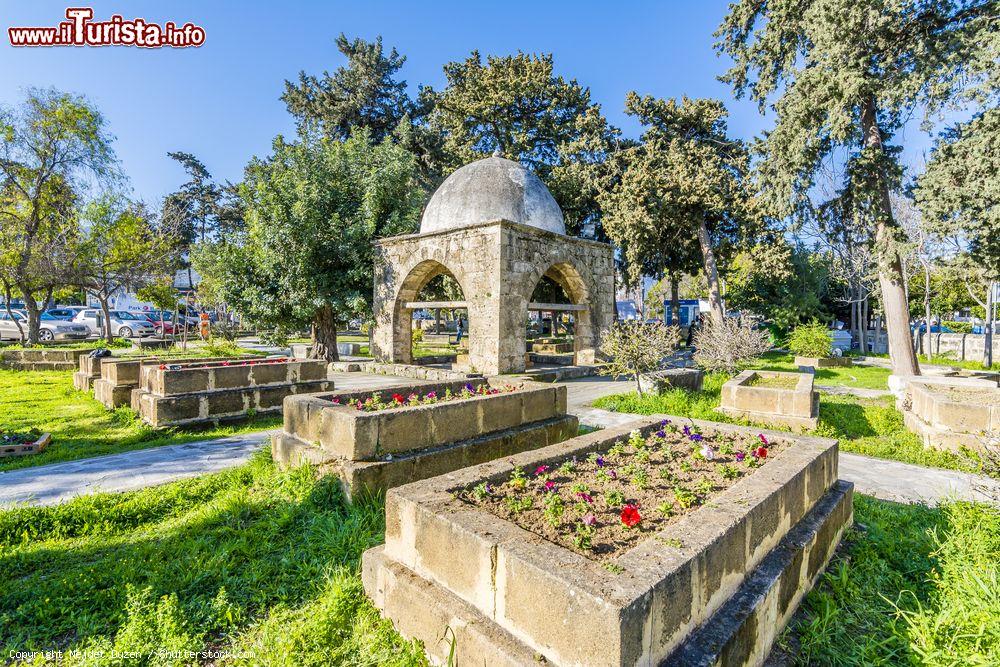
[715, 586]
[373, 451]
[42, 359]
[25, 448]
[119, 376]
[772, 397]
[210, 392]
[552, 348]
[433, 359]
[89, 371]
[951, 413]
[823, 362]
[658, 382]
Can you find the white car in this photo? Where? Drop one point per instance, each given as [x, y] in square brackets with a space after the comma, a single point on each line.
[50, 328]
[123, 323]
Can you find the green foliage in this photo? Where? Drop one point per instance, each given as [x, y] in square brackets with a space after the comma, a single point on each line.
[313, 210]
[959, 187]
[80, 426]
[958, 327]
[811, 340]
[633, 347]
[783, 283]
[160, 293]
[252, 561]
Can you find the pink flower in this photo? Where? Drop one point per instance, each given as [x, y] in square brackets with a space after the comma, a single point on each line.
[589, 520]
[336, 401]
[540, 469]
[550, 485]
[585, 497]
[431, 395]
[740, 456]
[763, 439]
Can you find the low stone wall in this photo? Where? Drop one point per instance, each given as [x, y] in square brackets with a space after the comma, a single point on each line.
[434, 359]
[823, 362]
[41, 359]
[417, 372]
[690, 379]
[552, 359]
[951, 413]
[120, 375]
[552, 348]
[222, 391]
[301, 350]
[89, 371]
[737, 566]
[372, 451]
[958, 346]
[796, 407]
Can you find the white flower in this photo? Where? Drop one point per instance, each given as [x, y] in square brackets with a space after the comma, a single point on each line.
[708, 453]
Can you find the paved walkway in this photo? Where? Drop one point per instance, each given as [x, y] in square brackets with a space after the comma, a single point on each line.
[58, 482]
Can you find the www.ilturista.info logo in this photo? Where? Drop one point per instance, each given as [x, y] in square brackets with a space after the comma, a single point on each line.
[80, 30]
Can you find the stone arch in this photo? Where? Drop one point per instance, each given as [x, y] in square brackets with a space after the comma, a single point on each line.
[414, 280]
[564, 273]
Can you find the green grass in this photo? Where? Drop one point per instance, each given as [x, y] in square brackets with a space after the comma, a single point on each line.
[116, 343]
[872, 427]
[258, 562]
[910, 585]
[82, 427]
[861, 377]
[265, 564]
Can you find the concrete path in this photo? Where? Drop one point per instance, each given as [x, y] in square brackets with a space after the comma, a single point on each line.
[58, 482]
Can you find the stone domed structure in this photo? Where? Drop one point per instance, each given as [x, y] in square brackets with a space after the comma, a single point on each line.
[488, 190]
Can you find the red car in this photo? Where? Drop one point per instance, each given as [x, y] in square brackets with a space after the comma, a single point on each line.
[153, 316]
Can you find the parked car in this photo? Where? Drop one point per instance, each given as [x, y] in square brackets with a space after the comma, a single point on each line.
[123, 323]
[64, 312]
[154, 318]
[51, 328]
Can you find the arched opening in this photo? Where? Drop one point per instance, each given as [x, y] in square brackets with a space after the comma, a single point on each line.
[558, 321]
[430, 301]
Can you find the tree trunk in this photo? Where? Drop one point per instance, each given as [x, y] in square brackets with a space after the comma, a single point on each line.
[34, 316]
[106, 317]
[675, 300]
[988, 331]
[927, 310]
[865, 316]
[711, 273]
[890, 268]
[324, 335]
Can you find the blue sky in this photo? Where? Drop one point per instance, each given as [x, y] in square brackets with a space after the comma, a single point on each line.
[221, 101]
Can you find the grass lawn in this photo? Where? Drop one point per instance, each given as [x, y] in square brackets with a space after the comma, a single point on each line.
[873, 427]
[80, 426]
[861, 377]
[265, 564]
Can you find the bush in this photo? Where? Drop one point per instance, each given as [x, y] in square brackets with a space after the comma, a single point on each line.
[730, 345]
[958, 327]
[634, 347]
[276, 338]
[418, 335]
[810, 340]
[224, 330]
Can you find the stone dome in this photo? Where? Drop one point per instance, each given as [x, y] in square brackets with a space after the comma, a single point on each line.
[492, 189]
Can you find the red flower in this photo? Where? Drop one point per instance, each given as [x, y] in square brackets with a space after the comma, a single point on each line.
[630, 516]
[760, 452]
[398, 398]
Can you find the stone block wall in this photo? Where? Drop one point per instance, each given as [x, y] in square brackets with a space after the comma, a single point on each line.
[797, 407]
[41, 359]
[961, 347]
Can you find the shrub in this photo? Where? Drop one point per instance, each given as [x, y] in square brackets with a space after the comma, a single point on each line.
[730, 345]
[276, 338]
[224, 330]
[958, 327]
[810, 340]
[418, 335]
[634, 347]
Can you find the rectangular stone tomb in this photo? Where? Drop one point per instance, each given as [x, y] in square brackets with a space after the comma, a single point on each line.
[221, 391]
[772, 397]
[715, 586]
[88, 372]
[41, 359]
[120, 375]
[373, 451]
[952, 412]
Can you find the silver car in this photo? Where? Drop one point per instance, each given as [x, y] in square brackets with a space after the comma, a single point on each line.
[123, 323]
[51, 328]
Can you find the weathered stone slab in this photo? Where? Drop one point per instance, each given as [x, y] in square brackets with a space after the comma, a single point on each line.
[952, 412]
[658, 382]
[41, 359]
[748, 396]
[567, 608]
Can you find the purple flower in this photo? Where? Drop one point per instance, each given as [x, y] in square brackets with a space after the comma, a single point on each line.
[600, 461]
[589, 520]
[740, 456]
[613, 474]
[585, 497]
[431, 395]
[468, 387]
[661, 434]
[687, 430]
[664, 422]
[696, 437]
